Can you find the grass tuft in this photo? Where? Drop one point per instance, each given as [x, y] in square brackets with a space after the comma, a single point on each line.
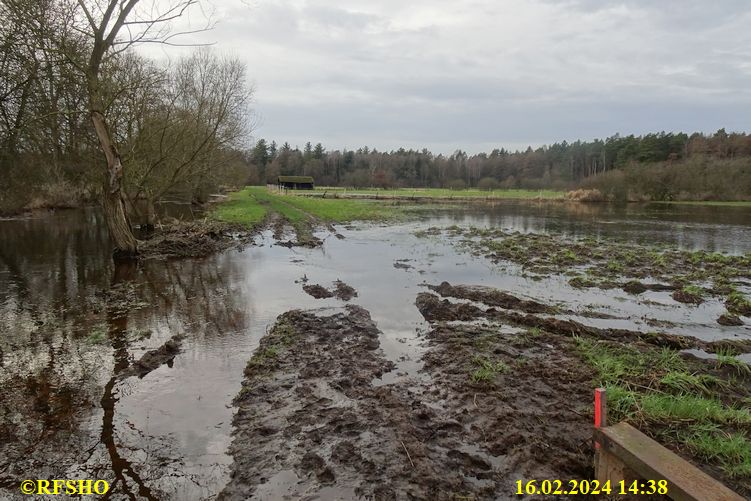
[728, 358]
[487, 370]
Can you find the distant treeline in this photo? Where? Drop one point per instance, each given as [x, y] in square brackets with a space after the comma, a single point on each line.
[659, 166]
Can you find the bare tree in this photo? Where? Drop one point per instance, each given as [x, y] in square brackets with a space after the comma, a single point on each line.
[188, 134]
[113, 26]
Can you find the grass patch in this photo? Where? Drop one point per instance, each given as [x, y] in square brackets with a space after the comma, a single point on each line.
[343, 210]
[693, 290]
[615, 364]
[683, 382]
[728, 358]
[282, 336]
[242, 208]
[656, 390]
[265, 355]
[738, 303]
[447, 193]
[731, 450]
[276, 204]
[487, 370]
[252, 204]
[685, 407]
[611, 263]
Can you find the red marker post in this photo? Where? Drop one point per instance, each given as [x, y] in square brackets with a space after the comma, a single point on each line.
[601, 411]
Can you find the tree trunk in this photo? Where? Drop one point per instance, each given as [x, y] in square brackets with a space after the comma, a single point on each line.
[113, 202]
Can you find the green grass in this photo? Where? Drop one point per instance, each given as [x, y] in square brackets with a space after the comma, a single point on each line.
[615, 364]
[685, 407]
[732, 451]
[250, 205]
[446, 193]
[242, 207]
[727, 358]
[276, 204]
[343, 210]
[656, 390]
[738, 303]
[284, 335]
[693, 290]
[684, 382]
[487, 370]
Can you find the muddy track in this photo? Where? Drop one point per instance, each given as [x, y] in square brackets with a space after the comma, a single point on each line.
[434, 309]
[491, 297]
[311, 423]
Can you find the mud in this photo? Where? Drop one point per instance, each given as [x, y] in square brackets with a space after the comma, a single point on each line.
[401, 264]
[636, 287]
[311, 423]
[153, 359]
[343, 291]
[198, 238]
[683, 296]
[433, 309]
[538, 366]
[340, 291]
[491, 297]
[317, 291]
[309, 242]
[730, 320]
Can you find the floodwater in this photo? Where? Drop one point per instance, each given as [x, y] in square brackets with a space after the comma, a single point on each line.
[63, 414]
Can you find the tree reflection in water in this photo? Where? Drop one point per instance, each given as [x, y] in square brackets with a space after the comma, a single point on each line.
[66, 335]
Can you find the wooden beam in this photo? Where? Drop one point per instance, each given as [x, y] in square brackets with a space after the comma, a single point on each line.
[651, 461]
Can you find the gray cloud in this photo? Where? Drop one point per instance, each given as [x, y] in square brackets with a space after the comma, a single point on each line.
[482, 73]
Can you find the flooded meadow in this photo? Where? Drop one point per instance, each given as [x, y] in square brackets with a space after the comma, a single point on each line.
[434, 357]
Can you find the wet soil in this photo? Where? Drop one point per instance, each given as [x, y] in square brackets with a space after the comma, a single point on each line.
[683, 296]
[343, 291]
[153, 359]
[311, 423]
[198, 238]
[557, 340]
[609, 264]
[730, 320]
[434, 309]
[202, 237]
[317, 291]
[340, 291]
[66, 337]
[491, 297]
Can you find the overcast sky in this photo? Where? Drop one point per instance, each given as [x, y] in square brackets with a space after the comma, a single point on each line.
[482, 74]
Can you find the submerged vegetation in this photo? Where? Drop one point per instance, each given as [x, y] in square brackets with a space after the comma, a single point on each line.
[692, 276]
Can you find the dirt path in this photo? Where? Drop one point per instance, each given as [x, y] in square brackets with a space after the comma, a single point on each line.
[310, 421]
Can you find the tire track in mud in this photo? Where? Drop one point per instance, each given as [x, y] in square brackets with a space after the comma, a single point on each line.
[310, 421]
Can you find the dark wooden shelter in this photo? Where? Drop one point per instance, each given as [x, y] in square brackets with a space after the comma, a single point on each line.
[296, 182]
